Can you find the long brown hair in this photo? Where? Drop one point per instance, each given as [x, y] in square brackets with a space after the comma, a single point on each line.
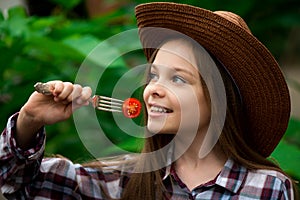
[232, 141]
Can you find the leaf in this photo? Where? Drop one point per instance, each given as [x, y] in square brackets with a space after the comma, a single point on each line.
[1, 16]
[44, 26]
[100, 52]
[67, 4]
[292, 134]
[46, 48]
[15, 27]
[82, 43]
[288, 156]
[17, 12]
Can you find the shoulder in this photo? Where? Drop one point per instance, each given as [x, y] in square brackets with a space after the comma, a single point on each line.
[264, 177]
[90, 178]
[59, 170]
[269, 183]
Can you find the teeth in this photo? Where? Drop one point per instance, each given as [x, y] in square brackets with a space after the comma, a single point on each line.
[158, 109]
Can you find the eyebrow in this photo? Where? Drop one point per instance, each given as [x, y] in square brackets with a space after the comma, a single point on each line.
[177, 69]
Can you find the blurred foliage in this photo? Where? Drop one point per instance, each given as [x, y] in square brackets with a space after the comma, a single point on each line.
[41, 48]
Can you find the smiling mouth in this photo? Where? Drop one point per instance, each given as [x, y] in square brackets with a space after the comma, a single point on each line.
[159, 109]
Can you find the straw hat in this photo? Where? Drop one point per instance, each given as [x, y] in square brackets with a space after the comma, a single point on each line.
[262, 86]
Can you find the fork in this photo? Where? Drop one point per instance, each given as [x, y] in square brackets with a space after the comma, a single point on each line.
[130, 107]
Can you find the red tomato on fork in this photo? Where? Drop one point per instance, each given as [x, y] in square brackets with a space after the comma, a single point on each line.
[131, 107]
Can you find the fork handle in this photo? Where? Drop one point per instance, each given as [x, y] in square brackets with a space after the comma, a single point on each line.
[43, 88]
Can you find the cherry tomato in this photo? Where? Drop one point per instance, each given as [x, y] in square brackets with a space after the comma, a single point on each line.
[131, 107]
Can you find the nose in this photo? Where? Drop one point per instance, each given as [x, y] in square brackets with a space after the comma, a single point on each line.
[156, 90]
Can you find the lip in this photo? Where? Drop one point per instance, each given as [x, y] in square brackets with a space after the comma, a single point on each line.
[157, 114]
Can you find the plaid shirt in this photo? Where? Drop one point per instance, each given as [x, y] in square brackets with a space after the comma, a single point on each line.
[27, 175]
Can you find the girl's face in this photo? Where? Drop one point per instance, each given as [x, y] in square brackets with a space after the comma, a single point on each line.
[174, 95]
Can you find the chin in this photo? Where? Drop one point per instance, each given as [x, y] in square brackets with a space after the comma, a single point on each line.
[161, 130]
[154, 130]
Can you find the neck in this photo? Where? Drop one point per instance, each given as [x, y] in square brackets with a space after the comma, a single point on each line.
[191, 159]
[209, 150]
[194, 170]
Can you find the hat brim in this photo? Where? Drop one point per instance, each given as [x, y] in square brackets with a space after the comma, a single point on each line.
[261, 83]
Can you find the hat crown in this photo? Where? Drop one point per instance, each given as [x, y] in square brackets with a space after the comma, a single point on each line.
[234, 18]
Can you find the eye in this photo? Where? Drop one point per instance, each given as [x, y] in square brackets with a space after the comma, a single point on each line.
[178, 79]
[152, 76]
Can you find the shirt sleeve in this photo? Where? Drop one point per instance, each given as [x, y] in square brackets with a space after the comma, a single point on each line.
[18, 167]
[25, 174]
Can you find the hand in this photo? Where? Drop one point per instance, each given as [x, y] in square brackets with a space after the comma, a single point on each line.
[49, 109]
[42, 109]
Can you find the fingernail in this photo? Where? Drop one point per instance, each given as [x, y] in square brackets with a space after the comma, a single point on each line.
[79, 101]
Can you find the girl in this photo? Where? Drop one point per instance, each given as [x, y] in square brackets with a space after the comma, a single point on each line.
[207, 157]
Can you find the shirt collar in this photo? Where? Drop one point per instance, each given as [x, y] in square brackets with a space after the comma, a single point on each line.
[231, 176]
[169, 161]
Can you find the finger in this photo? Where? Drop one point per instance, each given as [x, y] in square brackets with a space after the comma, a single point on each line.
[54, 87]
[77, 89]
[68, 110]
[85, 96]
[75, 106]
[63, 90]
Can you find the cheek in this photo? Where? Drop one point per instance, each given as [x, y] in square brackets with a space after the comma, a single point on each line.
[186, 98]
[146, 93]
[205, 110]
[191, 102]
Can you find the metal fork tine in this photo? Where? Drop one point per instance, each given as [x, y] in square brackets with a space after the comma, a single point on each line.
[111, 99]
[110, 102]
[108, 106]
